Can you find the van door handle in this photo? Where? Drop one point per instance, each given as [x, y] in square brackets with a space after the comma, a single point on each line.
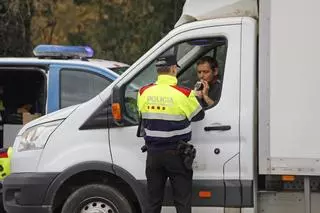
[217, 128]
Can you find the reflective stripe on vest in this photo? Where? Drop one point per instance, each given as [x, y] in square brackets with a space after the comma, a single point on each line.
[161, 116]
[168, 134]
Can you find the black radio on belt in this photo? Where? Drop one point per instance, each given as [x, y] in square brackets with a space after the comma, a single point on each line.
[187, 152]
[144, 148]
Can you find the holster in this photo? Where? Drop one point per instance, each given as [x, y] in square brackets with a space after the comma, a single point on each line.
[187, 153]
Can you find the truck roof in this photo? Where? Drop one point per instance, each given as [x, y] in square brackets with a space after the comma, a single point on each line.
[196, 10]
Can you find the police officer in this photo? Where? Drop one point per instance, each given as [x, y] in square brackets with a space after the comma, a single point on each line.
[166, 111]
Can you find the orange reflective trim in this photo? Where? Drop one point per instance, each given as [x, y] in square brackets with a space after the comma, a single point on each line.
[185, 91]
[142, 89]
[288, 178]
[205, 194]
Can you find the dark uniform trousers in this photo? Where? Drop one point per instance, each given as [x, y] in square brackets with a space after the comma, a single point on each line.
[159, 167]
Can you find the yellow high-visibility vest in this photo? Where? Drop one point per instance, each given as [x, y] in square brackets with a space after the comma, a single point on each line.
[166, 111]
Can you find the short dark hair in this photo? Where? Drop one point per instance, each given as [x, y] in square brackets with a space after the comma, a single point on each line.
[210, 60]
[163, 69]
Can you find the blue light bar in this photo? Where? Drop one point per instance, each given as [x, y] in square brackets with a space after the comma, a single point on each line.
[61, 51]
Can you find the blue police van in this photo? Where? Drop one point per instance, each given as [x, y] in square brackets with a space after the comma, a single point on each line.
[57, 77]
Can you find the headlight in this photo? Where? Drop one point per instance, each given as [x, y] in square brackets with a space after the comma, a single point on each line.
[37, 136]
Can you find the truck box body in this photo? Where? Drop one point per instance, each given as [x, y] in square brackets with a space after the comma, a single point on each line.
[288, 87]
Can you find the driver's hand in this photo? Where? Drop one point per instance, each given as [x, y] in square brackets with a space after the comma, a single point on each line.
[198, 94]
[205, 89]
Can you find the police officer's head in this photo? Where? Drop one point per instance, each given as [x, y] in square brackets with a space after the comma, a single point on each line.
[207, 68]
[167, 65]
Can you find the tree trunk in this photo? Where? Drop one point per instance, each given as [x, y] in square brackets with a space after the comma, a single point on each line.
[15, 25]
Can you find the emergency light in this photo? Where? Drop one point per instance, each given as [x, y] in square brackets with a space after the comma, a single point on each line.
[61, 51]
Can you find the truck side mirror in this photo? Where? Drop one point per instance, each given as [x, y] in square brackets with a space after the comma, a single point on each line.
[116, 111]
[116, 103]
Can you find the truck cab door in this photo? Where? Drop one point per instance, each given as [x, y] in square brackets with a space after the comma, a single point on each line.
[216, 137]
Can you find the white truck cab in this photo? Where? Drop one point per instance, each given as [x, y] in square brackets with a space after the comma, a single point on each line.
[87, 158]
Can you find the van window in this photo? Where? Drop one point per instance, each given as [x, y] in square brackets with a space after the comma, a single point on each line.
[188, 53]
[78, 86]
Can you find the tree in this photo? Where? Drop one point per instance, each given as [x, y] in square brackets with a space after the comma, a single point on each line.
[53, 21]
[15, 22]
[128, 28]
[119, 30]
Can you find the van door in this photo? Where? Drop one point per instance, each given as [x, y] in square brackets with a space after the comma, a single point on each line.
[216, 137]
[70, 85]
[23, 96]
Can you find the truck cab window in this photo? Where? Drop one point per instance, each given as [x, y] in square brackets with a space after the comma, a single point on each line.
[188, 55]
[208, 67]
[70, 91]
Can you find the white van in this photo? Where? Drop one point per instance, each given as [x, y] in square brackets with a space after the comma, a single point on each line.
[57, 77]
[257, 148]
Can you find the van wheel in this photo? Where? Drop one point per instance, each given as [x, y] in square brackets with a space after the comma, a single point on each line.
[96, 198]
